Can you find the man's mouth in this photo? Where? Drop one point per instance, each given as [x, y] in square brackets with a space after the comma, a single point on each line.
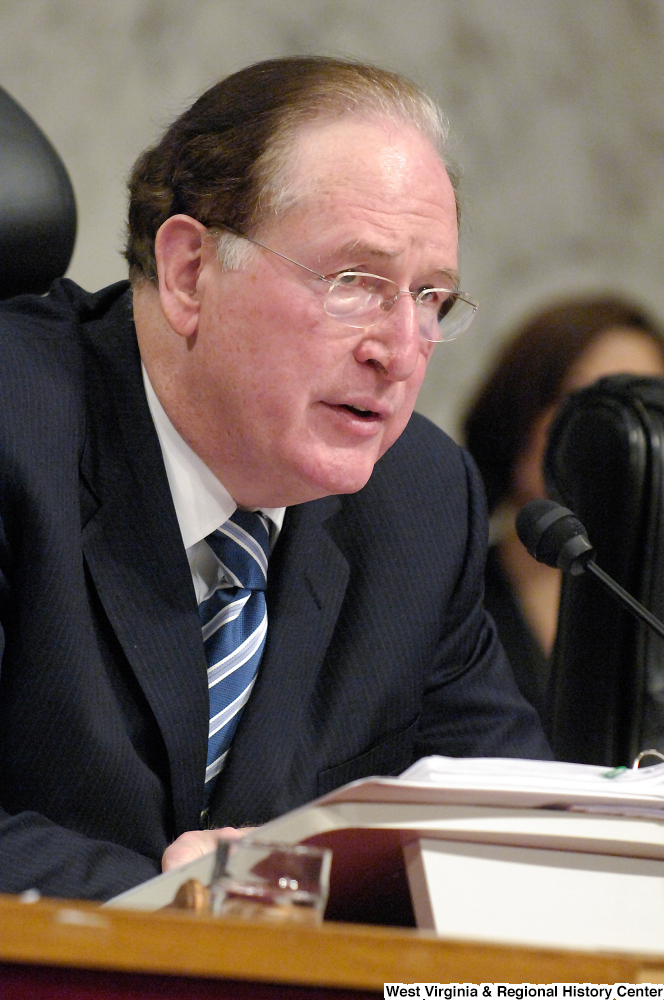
[359, 412]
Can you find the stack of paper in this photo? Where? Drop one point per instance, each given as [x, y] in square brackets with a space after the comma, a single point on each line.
[541, 784]
[472, 807]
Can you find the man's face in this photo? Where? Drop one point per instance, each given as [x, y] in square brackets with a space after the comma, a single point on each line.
[285, 403]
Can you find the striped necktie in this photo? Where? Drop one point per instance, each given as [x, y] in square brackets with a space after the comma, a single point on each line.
[234, 622]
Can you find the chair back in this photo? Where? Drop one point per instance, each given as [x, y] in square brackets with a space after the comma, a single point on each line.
[605, 461]
[37, 206]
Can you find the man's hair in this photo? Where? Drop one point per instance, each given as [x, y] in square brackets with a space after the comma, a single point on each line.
[225, 161]
[530, 374]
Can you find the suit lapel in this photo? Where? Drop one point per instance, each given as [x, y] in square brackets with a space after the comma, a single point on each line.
[133, 549]
[307, 581]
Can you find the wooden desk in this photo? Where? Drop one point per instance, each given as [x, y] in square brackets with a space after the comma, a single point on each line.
[63, 950]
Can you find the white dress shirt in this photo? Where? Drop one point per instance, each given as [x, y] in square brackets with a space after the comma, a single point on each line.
[202, 504]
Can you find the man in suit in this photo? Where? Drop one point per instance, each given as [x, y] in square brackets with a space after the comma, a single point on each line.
[292, 250]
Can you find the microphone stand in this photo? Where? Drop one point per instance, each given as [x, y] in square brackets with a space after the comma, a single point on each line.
[553, 535]
[627, 600]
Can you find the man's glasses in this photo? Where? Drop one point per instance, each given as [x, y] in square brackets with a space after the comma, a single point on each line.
[361, 300]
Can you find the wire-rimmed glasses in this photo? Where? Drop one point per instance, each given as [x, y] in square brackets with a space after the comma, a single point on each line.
[361, 300]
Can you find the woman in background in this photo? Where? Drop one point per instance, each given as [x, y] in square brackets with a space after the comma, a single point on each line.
[565, 347]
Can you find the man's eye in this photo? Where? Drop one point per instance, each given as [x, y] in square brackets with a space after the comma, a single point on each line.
[432, 297]
[439, 299]
[347, 278]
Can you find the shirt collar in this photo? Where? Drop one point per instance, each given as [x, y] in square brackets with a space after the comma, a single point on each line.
[201, 502]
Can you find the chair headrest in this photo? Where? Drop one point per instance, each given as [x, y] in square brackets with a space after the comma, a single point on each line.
[37, 205]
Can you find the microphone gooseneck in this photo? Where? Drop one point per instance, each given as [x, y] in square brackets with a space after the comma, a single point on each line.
[554, 535]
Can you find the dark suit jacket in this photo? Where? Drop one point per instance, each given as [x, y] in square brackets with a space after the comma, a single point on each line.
[530, 666]
[378, 649]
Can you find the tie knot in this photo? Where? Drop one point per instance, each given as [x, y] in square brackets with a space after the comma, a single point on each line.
[242, 544]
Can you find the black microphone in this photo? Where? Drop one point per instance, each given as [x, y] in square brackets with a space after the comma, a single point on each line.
[555, 536]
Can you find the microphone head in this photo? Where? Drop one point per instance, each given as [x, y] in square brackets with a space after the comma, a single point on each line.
[554, 535]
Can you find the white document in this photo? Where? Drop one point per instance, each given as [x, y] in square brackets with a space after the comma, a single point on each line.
[555, 899]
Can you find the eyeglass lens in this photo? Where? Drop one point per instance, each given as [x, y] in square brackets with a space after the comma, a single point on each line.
[359, 299]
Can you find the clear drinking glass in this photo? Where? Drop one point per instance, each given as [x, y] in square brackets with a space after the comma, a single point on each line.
[266, 881]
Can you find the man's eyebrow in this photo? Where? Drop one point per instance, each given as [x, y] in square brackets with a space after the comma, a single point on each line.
[447, 272]
[363, 250]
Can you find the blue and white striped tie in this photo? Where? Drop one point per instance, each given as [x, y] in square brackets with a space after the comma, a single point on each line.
[234, 622]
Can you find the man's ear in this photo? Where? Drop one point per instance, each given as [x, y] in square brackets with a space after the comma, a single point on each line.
[177, 247]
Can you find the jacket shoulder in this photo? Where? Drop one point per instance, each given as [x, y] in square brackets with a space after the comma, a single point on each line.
[41, 335]
[58, 312]
[424, 457]
[42, 377]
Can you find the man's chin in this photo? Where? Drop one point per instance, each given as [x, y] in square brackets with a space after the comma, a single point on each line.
[310, 476]
[347, 484]
[336, 481]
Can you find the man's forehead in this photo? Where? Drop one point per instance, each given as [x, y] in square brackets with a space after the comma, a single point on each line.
[328, 150]
[373, 171]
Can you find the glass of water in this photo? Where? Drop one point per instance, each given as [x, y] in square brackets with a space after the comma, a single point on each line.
[266, 881]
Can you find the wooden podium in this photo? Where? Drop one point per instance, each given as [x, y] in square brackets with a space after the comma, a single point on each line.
[57, 949]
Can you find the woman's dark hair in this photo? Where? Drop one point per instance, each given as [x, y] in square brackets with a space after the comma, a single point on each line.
[529, 376]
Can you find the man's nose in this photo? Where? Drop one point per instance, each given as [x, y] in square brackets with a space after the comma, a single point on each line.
[394, 344]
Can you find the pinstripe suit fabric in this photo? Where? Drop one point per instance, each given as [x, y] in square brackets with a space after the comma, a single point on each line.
[378, 650]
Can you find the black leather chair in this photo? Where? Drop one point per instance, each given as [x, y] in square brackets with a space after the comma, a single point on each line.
[37, 206]
[605, 461]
